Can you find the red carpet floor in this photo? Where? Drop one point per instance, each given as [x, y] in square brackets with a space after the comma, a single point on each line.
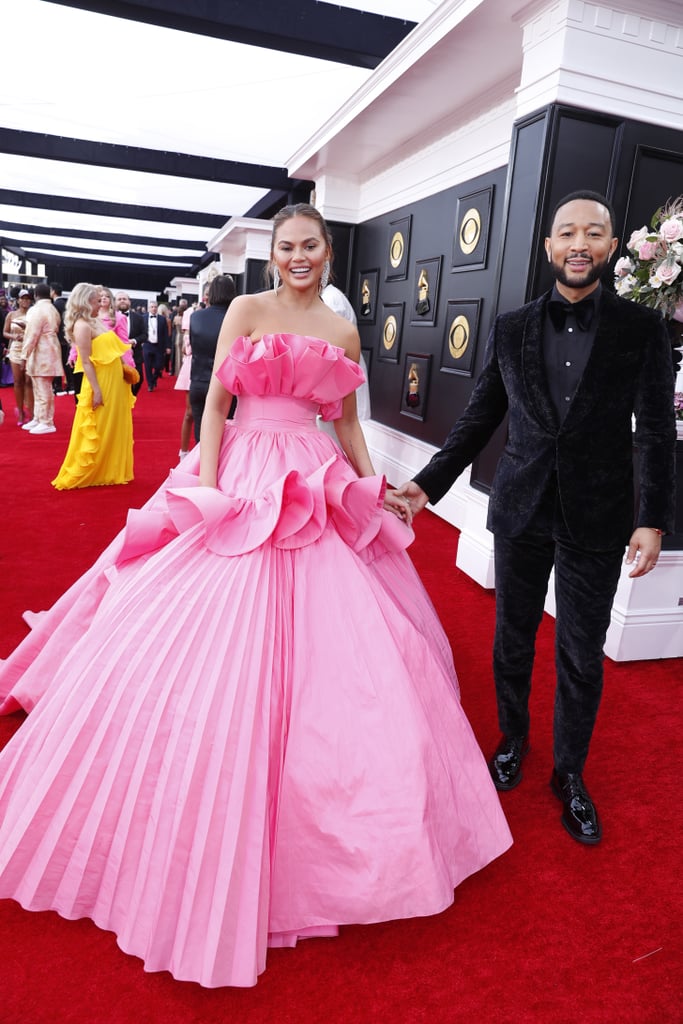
[553, 932]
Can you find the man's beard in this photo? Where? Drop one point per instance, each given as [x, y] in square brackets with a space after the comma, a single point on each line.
[593, 274]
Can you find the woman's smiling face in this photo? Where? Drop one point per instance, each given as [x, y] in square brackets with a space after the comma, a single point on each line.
[299, 252]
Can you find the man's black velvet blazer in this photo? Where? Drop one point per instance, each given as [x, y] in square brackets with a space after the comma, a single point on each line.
[628, 372]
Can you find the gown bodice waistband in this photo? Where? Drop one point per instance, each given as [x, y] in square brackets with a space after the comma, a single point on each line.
[280, 413]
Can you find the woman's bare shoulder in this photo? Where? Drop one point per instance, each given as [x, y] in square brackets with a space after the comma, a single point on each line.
[255, 301]
[82, 329]
[343, 334]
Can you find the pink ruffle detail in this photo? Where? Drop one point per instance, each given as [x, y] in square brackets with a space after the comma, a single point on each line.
[291, 513]
[291, 364]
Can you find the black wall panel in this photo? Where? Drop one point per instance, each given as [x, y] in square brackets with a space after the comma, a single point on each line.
[432, 233]
[553, 151]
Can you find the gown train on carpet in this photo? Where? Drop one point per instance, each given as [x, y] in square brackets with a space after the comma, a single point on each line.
[244, 719]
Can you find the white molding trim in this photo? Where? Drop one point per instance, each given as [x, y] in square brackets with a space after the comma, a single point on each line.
[240, 239]
[585, 54]
[473, 148]
[399, 458]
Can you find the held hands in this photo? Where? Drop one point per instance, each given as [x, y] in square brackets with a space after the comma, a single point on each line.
[647, 543]
[400, 506]
[406, 501]
[414, 494]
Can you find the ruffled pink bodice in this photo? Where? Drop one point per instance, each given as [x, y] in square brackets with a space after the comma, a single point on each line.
[294, 366]
[288, 499]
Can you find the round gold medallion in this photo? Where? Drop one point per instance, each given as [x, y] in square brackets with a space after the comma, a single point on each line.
[396, 250]
[470, 231]
[389, 333]
[459, 337]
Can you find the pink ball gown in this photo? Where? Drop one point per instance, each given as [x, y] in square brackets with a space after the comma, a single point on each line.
[256, 735]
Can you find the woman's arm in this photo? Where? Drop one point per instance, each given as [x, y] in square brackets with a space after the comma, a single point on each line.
[82, 335]
[351, 439]
[7, 331]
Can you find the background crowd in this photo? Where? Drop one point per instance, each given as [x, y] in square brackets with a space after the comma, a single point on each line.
[158, 335]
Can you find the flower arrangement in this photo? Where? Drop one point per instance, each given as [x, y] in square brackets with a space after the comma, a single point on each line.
[652, 274]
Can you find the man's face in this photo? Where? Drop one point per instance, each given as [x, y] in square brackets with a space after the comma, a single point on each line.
[153, 308]
[580, 244]
[122, 302]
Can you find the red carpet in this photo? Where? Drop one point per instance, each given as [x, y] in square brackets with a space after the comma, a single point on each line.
[552, 933]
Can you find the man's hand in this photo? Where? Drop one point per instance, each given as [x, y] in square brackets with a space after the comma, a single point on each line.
[647, 543]
[417, 498]
[399, 505]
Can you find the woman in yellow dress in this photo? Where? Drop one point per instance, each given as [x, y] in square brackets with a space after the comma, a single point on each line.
[101, 446]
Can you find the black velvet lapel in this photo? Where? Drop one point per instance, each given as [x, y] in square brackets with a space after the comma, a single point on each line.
[533, 367]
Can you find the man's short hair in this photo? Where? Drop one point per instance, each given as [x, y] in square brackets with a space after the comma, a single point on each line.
[585, 193]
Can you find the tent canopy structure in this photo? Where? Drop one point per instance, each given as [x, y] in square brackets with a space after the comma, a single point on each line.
[130, 132]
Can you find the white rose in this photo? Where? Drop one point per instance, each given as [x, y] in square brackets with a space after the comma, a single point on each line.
[623, 266]
[636, 238]
[625, 285]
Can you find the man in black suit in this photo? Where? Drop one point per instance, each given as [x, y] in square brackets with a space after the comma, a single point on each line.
[137, 332]
[156, 346]
[571, 368]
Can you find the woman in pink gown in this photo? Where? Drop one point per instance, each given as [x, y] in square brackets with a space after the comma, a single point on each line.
[296, 757]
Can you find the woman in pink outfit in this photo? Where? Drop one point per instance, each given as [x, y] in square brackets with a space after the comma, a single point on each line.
[115, 321]
[257, 734]
[43, 355]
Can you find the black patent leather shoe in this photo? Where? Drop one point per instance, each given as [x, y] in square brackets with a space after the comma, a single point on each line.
[506, 764]
[579, 815]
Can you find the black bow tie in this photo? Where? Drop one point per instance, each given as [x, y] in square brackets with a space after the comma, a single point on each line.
[583, 311]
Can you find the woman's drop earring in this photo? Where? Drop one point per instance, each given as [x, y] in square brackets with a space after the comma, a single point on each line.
[276, 279]
[325, 276]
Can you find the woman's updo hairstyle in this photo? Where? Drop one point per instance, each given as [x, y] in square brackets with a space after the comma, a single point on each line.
[300, 210]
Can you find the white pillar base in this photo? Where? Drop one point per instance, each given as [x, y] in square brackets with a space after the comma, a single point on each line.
[647, 614]
[475, 547]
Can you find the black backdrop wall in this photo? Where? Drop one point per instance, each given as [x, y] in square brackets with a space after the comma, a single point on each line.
[483, 240]
[460, 284]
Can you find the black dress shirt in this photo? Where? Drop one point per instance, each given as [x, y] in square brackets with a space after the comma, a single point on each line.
[566, 352]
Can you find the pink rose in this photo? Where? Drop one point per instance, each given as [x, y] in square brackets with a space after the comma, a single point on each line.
[646, 250]
[671, 230]
[667, 272]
